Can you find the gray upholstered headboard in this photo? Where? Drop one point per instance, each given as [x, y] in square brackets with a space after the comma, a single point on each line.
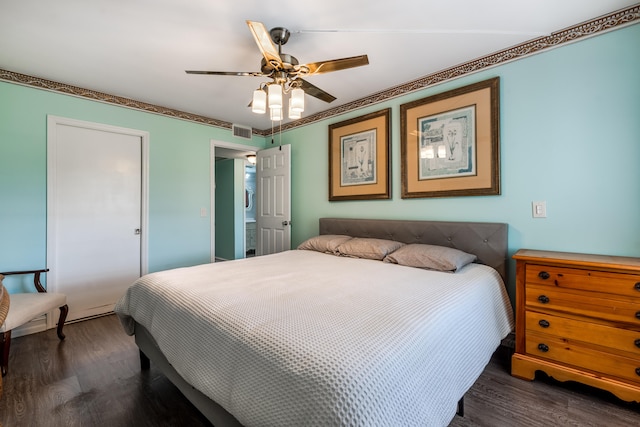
[487, 240]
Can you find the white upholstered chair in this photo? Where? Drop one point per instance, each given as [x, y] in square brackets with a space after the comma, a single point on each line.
[27, 306]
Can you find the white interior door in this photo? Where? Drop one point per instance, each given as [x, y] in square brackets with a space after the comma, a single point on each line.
[95, 212]
[273, 200]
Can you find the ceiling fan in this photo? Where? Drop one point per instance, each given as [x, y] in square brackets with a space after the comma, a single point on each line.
[284, 69]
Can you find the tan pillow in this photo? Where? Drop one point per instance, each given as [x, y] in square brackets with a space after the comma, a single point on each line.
[326, 243]
[430, 257]
[361, 247]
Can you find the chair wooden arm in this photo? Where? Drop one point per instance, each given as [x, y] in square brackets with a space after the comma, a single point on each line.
[36, 277]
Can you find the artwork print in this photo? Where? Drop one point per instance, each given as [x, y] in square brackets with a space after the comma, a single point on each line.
[359, 167]
[358, 158]
[447, 144]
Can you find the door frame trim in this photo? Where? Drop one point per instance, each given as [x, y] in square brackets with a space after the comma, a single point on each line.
[52, 123]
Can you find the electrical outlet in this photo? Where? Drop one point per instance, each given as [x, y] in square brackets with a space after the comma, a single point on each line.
[539, 209]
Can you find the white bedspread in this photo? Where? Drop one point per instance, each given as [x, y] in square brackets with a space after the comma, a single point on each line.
[304, 338]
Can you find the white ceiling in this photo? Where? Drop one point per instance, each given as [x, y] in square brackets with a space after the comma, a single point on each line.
[139, 49]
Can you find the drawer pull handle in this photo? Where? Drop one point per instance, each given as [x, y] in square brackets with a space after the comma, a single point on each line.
[637, 342]
[637, 286]
[544, 275]
[544, 348]
[545, 324]
[638, 372]
[545, 299]
[637, 314]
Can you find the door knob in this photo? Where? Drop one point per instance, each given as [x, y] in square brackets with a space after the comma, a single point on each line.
[136, 231]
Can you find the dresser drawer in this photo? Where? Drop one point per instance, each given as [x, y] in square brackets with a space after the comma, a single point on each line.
[572, 353]
[615, 340]
[578, 319]
[588, 280]
[592, 304]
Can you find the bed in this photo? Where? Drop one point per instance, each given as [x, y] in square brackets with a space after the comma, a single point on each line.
[331, 333]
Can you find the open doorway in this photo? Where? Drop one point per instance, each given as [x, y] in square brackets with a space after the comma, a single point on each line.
[232, 201]
[250, 207]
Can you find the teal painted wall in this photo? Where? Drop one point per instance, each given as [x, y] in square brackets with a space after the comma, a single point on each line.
[570, 120]
[229, 207]
[179, 176]
[570, 135]
[224, 213]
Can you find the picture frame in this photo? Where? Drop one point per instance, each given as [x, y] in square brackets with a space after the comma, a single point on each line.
[450, 143]
[359, 151]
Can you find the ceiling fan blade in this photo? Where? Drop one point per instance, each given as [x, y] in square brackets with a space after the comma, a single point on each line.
[265, 44]
[226, 73]
[315, 91]
[337, 64]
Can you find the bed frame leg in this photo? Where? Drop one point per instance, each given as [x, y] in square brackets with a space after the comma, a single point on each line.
[460, 407]
[145, 363]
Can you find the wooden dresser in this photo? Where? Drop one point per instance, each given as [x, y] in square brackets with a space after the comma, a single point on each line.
[578, 319]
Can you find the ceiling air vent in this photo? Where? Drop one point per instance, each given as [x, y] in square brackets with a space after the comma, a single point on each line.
[242, 131]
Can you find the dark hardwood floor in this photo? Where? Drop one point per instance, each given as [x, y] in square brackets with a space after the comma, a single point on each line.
[93, 378]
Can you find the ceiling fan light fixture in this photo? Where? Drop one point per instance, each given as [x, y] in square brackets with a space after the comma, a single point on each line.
[259, 103]
[275, 97]
[286, 73]
[296, 103]
[294, 114]
[275, 114]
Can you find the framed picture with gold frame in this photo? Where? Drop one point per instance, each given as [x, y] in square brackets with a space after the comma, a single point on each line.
[450, 143]
[359, 157]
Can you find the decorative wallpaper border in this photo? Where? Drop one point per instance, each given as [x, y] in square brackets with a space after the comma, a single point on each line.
[39, 83]
[569, 35]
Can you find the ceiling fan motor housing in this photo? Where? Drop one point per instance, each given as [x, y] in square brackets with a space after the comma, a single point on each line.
[279, 35]
[288, 63]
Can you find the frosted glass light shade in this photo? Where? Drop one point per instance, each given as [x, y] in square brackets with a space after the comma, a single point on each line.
[296, 104]
[276, 114]
[292, 113]
[259, 104]
[275, 96]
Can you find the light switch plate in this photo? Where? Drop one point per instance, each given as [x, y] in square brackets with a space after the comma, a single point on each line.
[539, 209]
